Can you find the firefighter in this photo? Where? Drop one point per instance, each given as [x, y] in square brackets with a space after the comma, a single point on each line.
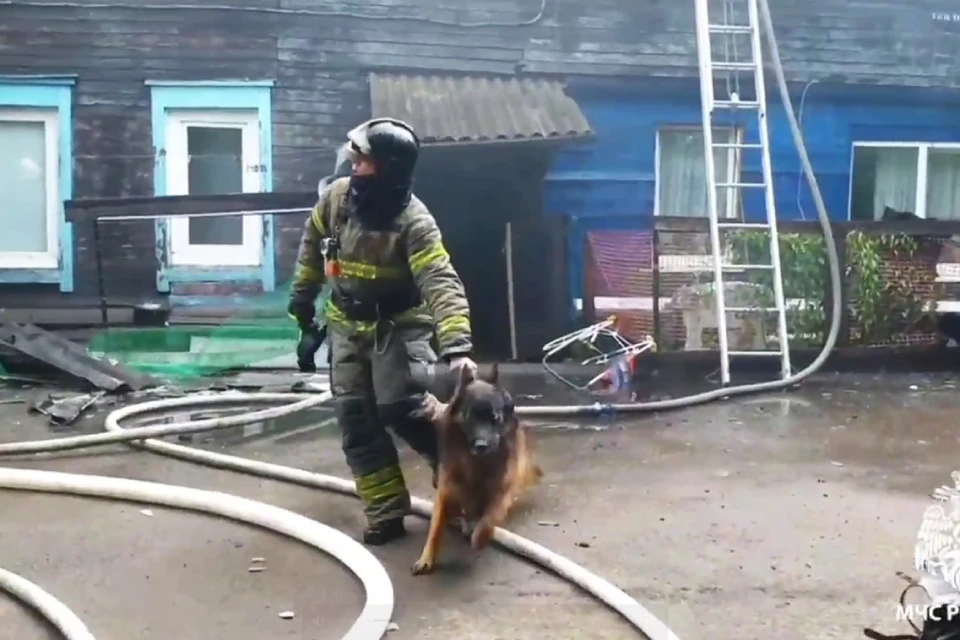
[394, 290]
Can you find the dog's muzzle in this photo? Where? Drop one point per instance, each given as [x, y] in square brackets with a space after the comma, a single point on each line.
[485, 445]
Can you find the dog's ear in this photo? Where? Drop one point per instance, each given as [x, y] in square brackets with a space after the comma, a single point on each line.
[494, 376]
[465, 376]
[509, 409]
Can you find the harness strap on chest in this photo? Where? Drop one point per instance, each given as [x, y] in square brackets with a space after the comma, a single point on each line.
[332, 267]
[384, 308]
[354, 308]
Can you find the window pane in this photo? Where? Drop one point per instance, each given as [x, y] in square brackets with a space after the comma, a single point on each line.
[943, 184]
[683, 187]
[23, 185]
[216, 167]
[883, 177]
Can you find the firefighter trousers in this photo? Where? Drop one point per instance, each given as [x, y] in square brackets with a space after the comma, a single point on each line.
[372, 383]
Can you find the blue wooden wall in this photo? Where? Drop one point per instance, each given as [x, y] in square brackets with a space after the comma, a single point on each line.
[609, 183]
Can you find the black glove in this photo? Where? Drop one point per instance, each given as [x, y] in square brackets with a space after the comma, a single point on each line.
[311, 339]
[305, 313]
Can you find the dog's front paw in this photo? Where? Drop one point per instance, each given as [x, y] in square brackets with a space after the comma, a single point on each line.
[422, 567]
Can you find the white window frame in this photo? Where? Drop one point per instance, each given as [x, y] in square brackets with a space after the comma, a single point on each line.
[49, 259]
[180, 250]
[733, 166]
[923, 158]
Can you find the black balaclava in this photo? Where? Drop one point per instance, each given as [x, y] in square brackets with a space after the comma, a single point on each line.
[378, 199]
[376, 203]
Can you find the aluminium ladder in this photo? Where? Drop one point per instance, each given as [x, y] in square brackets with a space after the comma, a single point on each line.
[729, 29]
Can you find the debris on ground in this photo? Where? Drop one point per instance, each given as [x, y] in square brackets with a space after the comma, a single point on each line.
[393, 626]
[256, 565]
[619, 358]
[32, 345]
[64, 411]
[156, 393]
[287, 615]
[147, 512]
[20, 379]
[317, 384]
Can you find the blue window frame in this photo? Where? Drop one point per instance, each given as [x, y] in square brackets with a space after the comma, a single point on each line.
[213, 117]
[35, 120]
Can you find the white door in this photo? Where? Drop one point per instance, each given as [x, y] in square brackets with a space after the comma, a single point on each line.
[29, 188]
[214, 152]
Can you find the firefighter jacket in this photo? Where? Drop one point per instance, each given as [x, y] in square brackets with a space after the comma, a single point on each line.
[404, 273]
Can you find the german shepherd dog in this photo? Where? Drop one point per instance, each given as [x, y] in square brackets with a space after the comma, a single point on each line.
[484, 462]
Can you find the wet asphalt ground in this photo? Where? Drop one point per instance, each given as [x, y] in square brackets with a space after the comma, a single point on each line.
[782, 516]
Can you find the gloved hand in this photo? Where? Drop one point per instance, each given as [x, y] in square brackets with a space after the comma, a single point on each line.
[305, 314]
[459, 362]
[311, 339]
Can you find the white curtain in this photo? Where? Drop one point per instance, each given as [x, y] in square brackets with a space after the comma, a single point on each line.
[683, 188]
[896, 180]
[943, 185]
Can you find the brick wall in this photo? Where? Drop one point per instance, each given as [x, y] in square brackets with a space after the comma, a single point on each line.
[919, 272]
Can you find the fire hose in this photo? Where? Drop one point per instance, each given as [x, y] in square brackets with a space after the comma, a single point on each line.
[374, 619]
[375, 616]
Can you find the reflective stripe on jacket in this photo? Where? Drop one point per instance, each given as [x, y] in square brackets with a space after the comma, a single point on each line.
[375, 265]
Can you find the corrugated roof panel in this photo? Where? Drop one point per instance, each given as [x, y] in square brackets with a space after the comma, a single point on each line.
[445, 109]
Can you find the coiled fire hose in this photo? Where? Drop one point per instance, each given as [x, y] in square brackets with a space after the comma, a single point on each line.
[374, 618]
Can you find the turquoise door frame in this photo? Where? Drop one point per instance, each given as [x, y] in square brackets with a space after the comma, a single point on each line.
[220, 95]
[48, 92]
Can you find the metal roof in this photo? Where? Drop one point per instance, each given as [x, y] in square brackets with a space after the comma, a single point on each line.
[450, 110]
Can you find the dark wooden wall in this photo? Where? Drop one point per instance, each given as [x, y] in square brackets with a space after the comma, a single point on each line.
[319, 54]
